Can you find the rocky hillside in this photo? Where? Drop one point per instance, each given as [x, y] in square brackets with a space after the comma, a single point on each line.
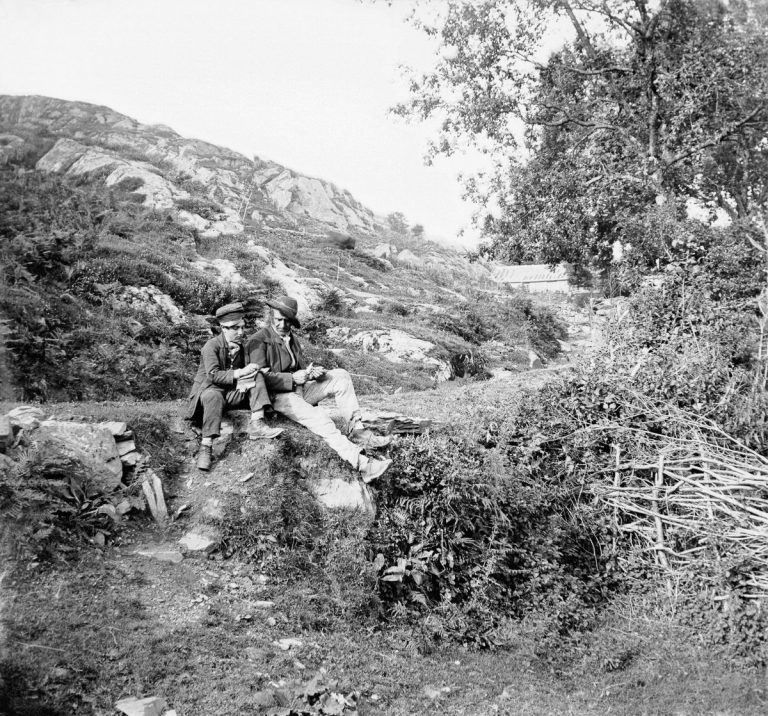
[119, 240]
[170, 169]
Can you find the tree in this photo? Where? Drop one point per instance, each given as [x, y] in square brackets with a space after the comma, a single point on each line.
[398, 223]
[417, 231]
[647, 106]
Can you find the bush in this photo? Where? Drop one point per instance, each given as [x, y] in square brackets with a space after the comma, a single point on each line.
[472, 538]
[514, 320]
[332, 302]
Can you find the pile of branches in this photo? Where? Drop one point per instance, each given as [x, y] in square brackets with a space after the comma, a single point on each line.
[692, 496]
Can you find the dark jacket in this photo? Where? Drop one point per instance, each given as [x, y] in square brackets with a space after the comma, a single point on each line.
[215, 368]
[266, 349]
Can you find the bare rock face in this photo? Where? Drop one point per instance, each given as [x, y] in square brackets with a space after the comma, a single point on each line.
[306, 290]
[395, 345]
[94, 139]
[75, 159]
[313, 198]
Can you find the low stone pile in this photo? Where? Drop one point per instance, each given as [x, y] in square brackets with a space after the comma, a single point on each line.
[98, 455]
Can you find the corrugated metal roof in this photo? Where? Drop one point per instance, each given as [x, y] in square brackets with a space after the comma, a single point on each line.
[529, 273]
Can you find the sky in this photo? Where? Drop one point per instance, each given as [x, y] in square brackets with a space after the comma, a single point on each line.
[305, 83]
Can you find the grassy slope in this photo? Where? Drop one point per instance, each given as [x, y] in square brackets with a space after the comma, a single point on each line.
[72, 249]
[106, 624]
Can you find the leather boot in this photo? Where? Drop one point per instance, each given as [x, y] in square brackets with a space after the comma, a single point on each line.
[204, 457]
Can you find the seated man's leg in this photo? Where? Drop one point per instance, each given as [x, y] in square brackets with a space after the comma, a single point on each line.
[213, 400]
[258, 399]
[336, 383]
[293, 406]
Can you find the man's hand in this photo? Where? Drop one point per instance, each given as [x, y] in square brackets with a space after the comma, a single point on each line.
[249, 370]
[300, 377]
[315, 371]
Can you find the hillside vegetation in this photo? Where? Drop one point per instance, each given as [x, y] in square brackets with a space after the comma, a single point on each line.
[107, 286]
[602, 534]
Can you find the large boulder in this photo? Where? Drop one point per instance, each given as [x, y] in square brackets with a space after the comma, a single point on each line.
[90, 447]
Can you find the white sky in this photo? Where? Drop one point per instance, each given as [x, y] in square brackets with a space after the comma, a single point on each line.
[306, 83]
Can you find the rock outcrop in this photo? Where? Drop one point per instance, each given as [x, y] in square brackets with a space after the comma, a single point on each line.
[169, 168]
[394, 345]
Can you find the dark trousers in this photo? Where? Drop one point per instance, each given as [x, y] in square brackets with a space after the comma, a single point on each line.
[216, 400]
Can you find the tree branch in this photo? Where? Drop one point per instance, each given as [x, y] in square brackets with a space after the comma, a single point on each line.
[717, 140]
[567, 68]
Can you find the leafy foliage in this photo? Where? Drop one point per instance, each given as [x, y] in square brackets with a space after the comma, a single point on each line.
[473, 537]
[642, 104]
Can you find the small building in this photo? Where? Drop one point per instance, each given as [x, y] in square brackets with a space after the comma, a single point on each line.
[533, 277]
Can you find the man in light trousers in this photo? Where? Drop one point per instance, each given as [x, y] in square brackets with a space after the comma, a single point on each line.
[296, 387]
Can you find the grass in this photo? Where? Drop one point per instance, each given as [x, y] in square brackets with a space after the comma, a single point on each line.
[94, 627]
[114, 625]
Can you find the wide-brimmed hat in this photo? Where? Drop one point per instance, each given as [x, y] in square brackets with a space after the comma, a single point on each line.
[288, 307]
[231, 313]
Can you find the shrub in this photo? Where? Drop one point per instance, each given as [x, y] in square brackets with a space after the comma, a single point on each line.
[332, 302]
[468, 536]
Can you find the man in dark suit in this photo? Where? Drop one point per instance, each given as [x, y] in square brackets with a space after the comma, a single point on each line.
[297, 386]
[224, 380]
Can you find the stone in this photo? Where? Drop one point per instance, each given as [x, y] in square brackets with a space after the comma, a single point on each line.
[153, 491]
[288, 643]
[565, 347]
[263, 604]
[387, 422]
[149, 706]
[385, 251]
[152, 300]
[226, 270]
[125, 446]
[431, 692]
[307, 291]
[130, 459]
[397, 346]
[201, 539]
[162, 552]
[6, 432]
[90, 445]
[335, 493]
[116, 428]
[27, 417]
[533, 360]
[213, 510]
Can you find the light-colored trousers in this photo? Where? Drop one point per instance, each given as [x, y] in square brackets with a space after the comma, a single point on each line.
[301, 406]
